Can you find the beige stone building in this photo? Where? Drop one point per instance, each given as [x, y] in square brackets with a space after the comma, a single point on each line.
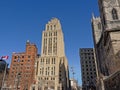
[108, 45]
[52, 66]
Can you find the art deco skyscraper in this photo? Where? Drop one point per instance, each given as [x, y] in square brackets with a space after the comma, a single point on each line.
[52, 65]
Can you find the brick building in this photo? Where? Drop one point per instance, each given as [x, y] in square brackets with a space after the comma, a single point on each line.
[22, 68]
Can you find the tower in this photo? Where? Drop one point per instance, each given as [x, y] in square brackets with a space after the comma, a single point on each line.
[107, 48]
[52, 66]
[52, 39]
[97, 28]
[110, 14]
[110, 18]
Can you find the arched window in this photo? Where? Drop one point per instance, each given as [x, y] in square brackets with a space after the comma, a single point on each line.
[114, 14]
[51, 27]
[99, 25]
[47, 27]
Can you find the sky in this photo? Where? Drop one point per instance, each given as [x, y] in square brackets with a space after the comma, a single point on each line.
[22, 20]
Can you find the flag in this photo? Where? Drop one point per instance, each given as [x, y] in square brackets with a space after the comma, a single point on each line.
[4, 57]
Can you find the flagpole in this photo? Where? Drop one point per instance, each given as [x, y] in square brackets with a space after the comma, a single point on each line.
[4, 75]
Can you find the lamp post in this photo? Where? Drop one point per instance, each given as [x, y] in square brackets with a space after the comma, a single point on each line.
[72, 70]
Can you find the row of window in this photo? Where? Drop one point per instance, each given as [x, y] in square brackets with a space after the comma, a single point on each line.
[24, 76]
[86, 50]
[18, 57]
[16, 68]
[50, 34]
[87, 54]
[48, 71]
[46, 78]
[88, 62]
[51, 46]
[88, 66]
[21, 60]
[90, 69]
[48, 61]
[51, 27]
[86, 57]
[89, 73]
[50, 40]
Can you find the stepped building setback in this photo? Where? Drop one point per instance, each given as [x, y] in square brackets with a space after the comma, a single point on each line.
[51, 72]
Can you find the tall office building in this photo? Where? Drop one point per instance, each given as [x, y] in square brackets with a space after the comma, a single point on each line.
[22, 68]
[108, 46]
[88, 68]
[52, 65]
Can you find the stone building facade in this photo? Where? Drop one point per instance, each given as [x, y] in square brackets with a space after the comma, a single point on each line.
[52, 66]
[112, 82]
[22, 68]
[107, 48]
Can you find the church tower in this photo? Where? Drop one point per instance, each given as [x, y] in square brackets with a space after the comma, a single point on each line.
[110, 14]
[51, 71]
[110, 17]
[108, 37]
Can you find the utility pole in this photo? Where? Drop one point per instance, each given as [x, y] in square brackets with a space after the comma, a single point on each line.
[72, 70]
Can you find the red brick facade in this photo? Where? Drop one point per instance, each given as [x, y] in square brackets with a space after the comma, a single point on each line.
[22, 68]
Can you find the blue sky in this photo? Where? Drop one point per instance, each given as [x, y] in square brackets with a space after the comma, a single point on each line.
[22, 20]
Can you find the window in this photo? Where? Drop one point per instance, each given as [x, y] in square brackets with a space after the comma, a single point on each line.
[15, 57]
[28, 60]
[47, 27]
[54, 60]
[28, 56]
[114, 14]
[54, 27]
[99, 25]
[51, 27]
[51, 72]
